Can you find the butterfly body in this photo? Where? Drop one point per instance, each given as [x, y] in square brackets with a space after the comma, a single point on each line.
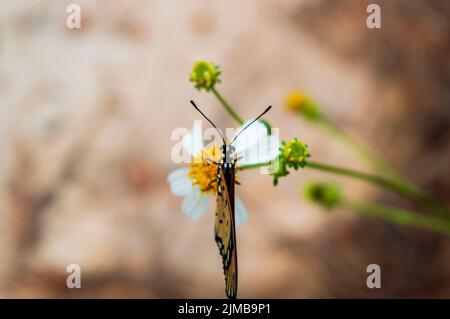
[224, 226]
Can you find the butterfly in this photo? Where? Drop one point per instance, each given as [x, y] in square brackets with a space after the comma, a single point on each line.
[225, 220]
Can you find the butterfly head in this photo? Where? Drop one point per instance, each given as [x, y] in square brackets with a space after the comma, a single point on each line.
[228, 148]
[227, 153]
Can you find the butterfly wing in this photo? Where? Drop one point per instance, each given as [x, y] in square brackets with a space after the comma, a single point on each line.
[224, 229]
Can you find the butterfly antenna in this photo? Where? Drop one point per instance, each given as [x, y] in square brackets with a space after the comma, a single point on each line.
[245, 127]
[218, 131]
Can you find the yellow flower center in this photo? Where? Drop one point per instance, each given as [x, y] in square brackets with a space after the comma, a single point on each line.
[203, 171]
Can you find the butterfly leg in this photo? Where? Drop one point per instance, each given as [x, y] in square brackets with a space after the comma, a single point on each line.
[210, 161]
[210, 183]
[235, 160]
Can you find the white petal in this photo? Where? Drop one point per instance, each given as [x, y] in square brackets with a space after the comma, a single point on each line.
[194, 203]
[241, 212]
[190, 201]
[193, 142]
[201, 206]
[265, 150]
[176, 174]
[180, 184]
[250, 136]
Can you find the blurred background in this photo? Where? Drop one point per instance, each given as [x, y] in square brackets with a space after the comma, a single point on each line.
[86, 117]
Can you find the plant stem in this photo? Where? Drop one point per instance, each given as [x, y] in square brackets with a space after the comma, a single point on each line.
[383, 168]
[396, 181]
[388, 213]
[373, 179]
[250, 166]
[406, 190]
[369, 157]
[410, 192]
[227, 106]
[399, 216]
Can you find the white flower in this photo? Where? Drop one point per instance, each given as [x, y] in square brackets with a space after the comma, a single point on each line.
[196, 183]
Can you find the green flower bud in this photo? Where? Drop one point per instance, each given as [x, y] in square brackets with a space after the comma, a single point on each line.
[205, 75]
[295, 153]
[327, 195]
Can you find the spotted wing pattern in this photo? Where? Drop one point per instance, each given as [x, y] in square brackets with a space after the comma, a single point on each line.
[225, 234]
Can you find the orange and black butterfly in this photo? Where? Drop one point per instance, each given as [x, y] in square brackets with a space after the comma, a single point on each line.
[225, 220]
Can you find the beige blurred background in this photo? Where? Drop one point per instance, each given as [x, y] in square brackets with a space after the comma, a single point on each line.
[86, 117]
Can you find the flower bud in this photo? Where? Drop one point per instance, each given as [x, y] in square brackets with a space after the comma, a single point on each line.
[299, 101]
[205, 75]
[327, 195]
[295, 153]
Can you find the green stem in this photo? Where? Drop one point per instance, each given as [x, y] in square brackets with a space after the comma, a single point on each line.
[227, 106]
[383, 168]
[400, 216]
[251, 166]
[410, 192]
[371, 158]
